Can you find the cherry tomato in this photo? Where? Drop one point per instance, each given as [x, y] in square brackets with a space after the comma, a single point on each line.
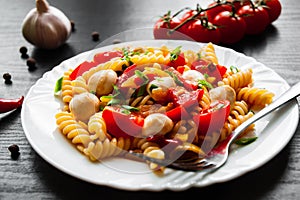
[211, 13]
[191, 13]
[163, 26]
[273, 8]
[232, 27]
[120, 124]
[202, 32]
[179, 61]
[256, 18]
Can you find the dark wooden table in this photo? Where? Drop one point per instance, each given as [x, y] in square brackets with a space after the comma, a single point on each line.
[31, 177]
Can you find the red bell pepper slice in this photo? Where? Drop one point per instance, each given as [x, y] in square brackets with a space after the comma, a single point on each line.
[120, 124]
[98, 59]
[212, 119]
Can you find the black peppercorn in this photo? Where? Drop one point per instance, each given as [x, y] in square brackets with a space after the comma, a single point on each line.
[95, 36]
[7, 78]
[23, 50]
[14, 151]
[31, 63]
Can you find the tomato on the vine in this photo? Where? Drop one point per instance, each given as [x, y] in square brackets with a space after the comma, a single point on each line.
[216, 8]
[231, 26]
[163, 26]
[273, 7]
[191, 13]
[202, 31]
[256, 18]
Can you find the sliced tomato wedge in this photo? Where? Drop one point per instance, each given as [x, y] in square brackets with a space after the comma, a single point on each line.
[120, 124]
[177, 114]
[212, 119]
[185, 98]
[212, 70]
[98, 59]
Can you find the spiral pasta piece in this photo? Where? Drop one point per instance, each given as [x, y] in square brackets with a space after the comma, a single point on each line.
[238, 115]
[205, 100]
[238, 80]
[97, 127]
[115, 64]
[255, 96]
[97, 150]
[208, 53]
[67, 87]
[79, 86]
[73, 130]
[150, 58]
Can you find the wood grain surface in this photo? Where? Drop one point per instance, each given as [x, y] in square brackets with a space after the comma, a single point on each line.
[30, 177]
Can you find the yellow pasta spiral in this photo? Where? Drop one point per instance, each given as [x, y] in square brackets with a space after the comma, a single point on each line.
[79, 86]
[97, 127]
[114, 64]
[238, 115]
[66, 89]
[73, 130]
[255, 96]
[238, 80]
[97, 150]
[208, 53]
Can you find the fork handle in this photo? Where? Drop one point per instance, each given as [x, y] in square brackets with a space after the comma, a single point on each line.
[287, 96]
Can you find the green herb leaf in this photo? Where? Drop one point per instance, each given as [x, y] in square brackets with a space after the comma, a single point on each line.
[204, 83]
[234, 69]
[58, 86]
[174, 54]
[141, 75]
[113, 102]
[152, 86]
[130, 108]
[141, 90]
[127, 112]
[245, 141]
[175, 78]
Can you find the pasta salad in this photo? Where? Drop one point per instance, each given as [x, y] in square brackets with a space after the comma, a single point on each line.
[162, 102]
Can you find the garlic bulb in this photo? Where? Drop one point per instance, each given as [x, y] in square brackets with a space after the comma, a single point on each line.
[45, 26]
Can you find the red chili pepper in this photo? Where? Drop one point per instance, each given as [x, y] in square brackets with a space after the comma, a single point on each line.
[7, 105]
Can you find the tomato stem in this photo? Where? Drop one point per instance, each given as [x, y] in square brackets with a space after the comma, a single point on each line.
[200, 10]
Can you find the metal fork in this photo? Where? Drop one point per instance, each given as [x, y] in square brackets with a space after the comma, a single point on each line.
[219, 155]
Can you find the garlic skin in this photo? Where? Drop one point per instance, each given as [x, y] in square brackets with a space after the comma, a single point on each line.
[45, 26]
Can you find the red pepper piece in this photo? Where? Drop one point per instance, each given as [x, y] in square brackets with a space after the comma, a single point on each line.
[177, 113]
[120, 124]
[210, 69]
[212, 119]
[7, 105]
[185, 98]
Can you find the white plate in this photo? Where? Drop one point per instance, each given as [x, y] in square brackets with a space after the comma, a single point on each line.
[40, 107]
